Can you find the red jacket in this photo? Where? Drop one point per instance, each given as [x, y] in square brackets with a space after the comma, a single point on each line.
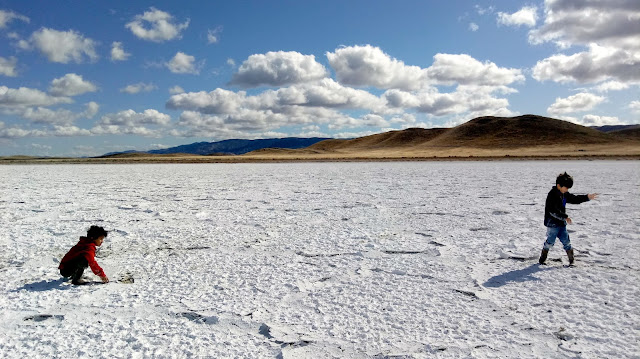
[84, 249]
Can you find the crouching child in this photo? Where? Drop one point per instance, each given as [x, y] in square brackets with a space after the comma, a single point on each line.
[82, 255]
[556, 218]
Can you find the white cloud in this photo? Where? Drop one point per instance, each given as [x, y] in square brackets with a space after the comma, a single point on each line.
[611, 86]
[527, 16]
[321, 94]
[139, 87]
[63, 46]
[608, 23]
[596, 65]
[54, 131]
[482, 11]
[182, 63]
[595, 120]
[370, 66]
[8, 66]
[576, 103]
[231, 62]
[157, 26]
[213, 36]
[464, 69]
[118, 53]
[373, 120]
[176, 90]
[609, 29]
[472, 100]
[474, 27]
[278, 69]
[7, 16]
[129, 122]
[23, 97]
[71, 85]
[92, 110]
[635, 106]
[60, 117]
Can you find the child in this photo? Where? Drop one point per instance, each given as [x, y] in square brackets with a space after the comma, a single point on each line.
[82, 255]
[556, 218]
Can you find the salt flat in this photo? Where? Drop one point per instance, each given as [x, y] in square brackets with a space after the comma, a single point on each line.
[320, 260]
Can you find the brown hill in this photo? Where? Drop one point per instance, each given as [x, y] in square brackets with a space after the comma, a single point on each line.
[630, 133]
[394, 139]
[521, 131]
[526, 135]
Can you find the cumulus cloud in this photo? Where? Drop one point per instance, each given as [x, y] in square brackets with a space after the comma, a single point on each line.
[118, 53]
[365, 66]
[182, 63]
[635, 106]
[596, 65]
[213, 36]
[139, 87]
[7, 16]
[577, 103]
[472, 100]
[464, 69]
[129, 122]
[325, 93]
[157, 26]
[8, 66]
[176, 90]
[595, 120]
[62, 46]
[609, 29]
[611, 86]
[24, 97]
[474, 27]
[370, 66]
[527, 16]
[60, 117]
[278, 69]
[71, 85]
[608, 23]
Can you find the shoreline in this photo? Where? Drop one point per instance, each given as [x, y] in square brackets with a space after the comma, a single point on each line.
[303, 159]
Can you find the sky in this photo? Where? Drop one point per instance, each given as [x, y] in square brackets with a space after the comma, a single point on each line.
[83, 78]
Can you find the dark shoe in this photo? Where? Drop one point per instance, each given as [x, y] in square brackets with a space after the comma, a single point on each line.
[543, 256]
[570, 255]
[79, 282]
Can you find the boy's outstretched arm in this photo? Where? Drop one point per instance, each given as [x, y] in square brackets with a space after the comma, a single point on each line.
[593, 196]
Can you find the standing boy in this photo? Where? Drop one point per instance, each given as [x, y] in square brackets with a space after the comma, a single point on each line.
[556, 218]
[82, 255]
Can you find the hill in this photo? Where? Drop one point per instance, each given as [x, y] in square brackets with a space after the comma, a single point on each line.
[239, 147]
[526, 135]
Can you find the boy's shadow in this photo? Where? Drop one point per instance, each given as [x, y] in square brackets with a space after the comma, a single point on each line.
[44, 285]
[518, 275]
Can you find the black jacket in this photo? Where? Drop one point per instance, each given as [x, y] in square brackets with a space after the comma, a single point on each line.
[555, 214]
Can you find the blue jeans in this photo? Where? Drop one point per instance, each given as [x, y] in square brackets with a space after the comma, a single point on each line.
[557, 232]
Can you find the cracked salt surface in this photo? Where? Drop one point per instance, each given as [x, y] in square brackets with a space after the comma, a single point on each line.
[343, 260]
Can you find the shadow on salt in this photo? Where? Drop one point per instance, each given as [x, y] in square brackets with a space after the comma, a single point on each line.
[518, 276]
[44, 285]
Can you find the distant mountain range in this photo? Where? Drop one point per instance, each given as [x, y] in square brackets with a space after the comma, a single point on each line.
[231, 147]
[482, 132]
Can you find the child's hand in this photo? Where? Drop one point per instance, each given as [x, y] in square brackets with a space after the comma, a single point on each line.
[569, 221]
[105, 279]
[593, 196]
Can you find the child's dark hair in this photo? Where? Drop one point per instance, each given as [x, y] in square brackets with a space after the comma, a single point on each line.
[95, 232]
[564, 180]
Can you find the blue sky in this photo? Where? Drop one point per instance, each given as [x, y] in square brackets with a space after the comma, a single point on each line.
[82, 78]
